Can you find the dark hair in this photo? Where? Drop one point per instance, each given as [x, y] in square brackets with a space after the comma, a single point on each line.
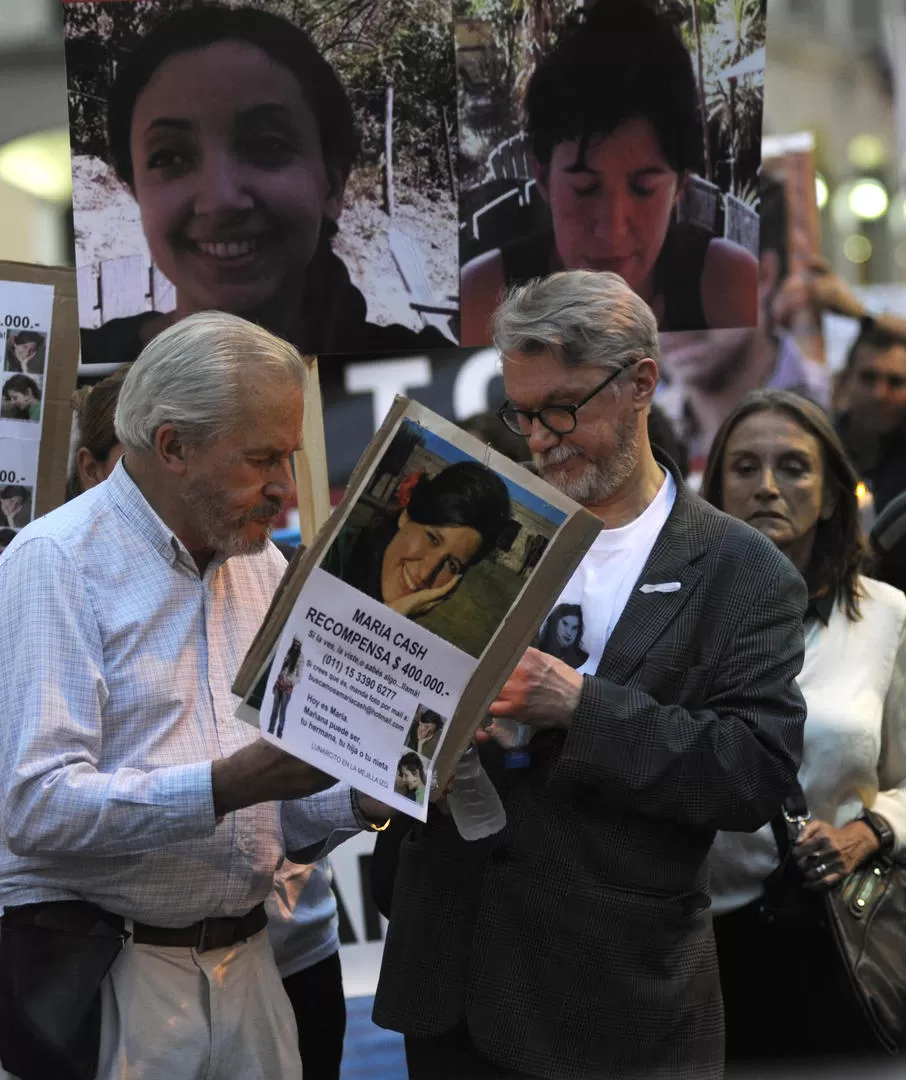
[488, 427]
[14, 491]
[870, 337]
[429, 716]
[292, 655]
[547, 639]
[662, 433]
[27, 337]
[6, 537]
[465, 494]
[24, 384]
[772, 234]
[95, 407]
[839, 552]
[613, 63]
[412, 761]
[207, 24]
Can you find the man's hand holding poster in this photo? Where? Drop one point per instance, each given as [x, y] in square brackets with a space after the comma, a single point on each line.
[395, 630]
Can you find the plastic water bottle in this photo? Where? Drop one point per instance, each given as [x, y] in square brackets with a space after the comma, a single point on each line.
[473, 800]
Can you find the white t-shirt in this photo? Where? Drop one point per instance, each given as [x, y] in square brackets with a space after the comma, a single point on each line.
[581, 622]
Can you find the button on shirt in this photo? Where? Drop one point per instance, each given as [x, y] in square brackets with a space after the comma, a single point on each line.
[117, 661]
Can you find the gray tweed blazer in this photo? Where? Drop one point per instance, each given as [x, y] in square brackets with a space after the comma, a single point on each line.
[577, 943]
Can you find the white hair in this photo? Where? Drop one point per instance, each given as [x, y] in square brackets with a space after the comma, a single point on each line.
[581, 316]
[191, 376]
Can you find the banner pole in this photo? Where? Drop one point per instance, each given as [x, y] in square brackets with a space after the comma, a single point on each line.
[310, 463]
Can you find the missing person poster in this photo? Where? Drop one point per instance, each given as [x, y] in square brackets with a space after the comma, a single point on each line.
[25, 322]
[412, 606]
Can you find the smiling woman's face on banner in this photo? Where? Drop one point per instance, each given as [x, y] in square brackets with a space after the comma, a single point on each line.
[230, 178]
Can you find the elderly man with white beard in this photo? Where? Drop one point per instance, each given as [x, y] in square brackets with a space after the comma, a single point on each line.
[577, 943]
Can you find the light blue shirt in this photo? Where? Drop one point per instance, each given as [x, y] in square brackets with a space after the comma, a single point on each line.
[117, 661]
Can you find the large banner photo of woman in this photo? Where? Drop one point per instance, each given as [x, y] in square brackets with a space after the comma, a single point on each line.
[289, 161]
[617, 135]
[442, 539]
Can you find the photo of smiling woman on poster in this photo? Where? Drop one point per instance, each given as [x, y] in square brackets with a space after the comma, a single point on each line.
[236, 139]
[415, 557]
[612, 135]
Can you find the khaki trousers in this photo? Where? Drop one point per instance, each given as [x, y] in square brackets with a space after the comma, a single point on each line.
[177, 1014]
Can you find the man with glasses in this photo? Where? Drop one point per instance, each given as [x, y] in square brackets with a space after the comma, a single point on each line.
[576, 944]
[873, 423]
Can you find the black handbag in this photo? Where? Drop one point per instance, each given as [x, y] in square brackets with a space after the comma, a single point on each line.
[53, 959]
[865, 915]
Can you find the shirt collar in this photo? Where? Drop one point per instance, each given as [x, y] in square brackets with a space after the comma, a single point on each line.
[126, 495]
[821, 606]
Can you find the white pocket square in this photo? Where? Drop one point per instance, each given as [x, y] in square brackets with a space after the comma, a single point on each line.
[663, 586]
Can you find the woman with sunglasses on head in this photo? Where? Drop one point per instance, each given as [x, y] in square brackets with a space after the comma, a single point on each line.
[612, 117]
[236, 139]
[778, 464]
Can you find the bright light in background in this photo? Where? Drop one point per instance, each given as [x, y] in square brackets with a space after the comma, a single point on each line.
[857, 248]
[821, 191]
[867, 151]
[868, 199]
[39, 164]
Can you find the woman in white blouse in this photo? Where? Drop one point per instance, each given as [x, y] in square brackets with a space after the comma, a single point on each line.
[778, 464]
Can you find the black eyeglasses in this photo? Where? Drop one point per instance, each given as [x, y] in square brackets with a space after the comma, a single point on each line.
[559, 419]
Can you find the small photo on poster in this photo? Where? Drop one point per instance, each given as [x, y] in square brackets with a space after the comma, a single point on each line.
[291, 664]
[290, 162]
[25, 352]
[426, 732]
[411, 778]
[20, 398]
[442, 539]
[620, 136]
[15, 506]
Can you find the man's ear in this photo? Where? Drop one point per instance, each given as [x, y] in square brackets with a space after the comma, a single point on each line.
[644, 383]
[171, 451]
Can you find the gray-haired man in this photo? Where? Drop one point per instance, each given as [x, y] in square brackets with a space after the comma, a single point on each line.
[577, 943]
[133, 800]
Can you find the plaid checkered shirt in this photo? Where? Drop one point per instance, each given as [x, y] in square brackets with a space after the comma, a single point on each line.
[117, 661]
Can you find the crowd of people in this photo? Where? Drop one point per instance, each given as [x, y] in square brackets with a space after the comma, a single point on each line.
[163, 870]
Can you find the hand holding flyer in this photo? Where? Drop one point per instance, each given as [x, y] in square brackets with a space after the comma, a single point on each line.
[399, 625]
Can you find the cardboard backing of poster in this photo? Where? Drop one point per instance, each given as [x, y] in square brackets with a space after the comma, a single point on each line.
[365, 667]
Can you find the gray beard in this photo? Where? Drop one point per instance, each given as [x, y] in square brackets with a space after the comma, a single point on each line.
[208, 510]
[597, 481]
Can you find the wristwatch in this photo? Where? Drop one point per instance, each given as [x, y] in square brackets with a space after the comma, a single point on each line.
[880, 828]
